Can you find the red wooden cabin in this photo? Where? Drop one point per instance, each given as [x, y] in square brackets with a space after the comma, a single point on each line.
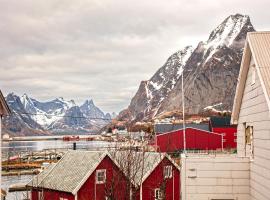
[84, 175]
[195, 139]
[222, 125]
[80, 175]
[163, 179]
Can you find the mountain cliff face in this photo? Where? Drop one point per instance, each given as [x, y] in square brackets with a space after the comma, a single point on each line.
[210, 73]
[30, 116]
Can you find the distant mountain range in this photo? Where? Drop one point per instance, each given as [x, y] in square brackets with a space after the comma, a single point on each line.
[210, 73]
[58, 116]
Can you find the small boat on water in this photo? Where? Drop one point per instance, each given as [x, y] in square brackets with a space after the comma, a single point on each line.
[71, 138]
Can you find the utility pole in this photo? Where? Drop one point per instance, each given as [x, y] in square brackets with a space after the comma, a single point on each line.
[183, 111]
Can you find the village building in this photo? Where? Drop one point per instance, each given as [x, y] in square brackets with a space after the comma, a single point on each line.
[196, 139]
[245, 175]
[4, 110]
[222, 125]
[251, 112]
[82, 175]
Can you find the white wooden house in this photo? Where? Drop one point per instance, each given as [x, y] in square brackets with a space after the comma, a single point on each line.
[251, 112]
[245, 175]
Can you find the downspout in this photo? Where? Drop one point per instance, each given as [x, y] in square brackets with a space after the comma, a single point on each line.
[76, 196]
[141, 194]
[95, 190]
[173, 184]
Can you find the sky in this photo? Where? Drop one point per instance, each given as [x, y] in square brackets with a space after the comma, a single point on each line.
[103, 49]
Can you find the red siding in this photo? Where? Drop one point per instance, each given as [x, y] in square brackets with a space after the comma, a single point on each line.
[114, 176]
[52, 195]
[229, 136]
[195, 139]
[155, 179]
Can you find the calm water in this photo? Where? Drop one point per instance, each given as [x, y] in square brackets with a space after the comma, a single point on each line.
[14, 147]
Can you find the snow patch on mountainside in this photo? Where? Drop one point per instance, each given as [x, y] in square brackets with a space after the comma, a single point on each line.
[225, 34]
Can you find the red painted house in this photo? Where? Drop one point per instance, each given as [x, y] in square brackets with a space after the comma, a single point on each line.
[195, 139]
[163, 179]
[80, 175]
[153, 175]
[222, 125]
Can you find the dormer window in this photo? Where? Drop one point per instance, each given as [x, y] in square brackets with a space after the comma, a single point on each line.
[253, 75]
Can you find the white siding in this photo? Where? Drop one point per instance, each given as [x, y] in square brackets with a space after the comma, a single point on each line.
[221, 177]
[255, 112]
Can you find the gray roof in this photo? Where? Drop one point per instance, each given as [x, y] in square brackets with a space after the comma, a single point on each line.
[142, 164]
[257, 46]
[70, 172]
[165, 128]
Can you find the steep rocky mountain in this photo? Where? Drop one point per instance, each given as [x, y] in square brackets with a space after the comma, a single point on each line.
[210, 73]
[30, 116]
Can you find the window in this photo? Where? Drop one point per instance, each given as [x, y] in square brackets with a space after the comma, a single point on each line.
[253, 75]
[248, 134]
[167, 171]
[249, 140]
[158, 194]
[101, 176]
[62, 198]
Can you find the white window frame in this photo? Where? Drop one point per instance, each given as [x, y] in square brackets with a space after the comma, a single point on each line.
[97, 176]
[253, 75]
[167, 170]
[158, 194]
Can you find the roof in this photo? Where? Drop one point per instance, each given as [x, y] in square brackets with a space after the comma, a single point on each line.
[143, 163]
[164, 128]
[4, 109]
[75, 167]
[220, 121]
[257, 45]
[70, 173]
[189, 128]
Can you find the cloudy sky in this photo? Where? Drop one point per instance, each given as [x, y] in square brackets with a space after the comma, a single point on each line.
[102, 49]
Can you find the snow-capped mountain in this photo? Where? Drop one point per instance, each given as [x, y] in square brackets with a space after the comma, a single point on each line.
[58, 115]
[210, 74]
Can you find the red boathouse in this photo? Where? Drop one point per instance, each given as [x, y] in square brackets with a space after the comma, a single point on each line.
[222, 126]
[196, 139]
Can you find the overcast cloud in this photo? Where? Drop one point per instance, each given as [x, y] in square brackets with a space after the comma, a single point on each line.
[102, 49]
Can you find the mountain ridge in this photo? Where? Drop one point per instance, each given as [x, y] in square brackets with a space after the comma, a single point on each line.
[210, 75]
[30, 116]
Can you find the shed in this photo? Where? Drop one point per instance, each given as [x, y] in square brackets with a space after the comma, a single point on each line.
[196, 139]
